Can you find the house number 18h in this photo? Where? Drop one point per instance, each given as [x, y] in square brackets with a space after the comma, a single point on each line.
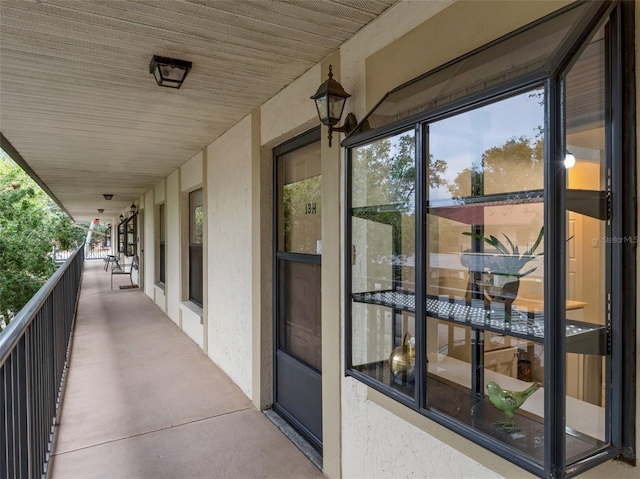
[310, 209]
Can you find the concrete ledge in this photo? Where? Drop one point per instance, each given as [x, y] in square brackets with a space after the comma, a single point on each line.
[191, 316]
[159, 297]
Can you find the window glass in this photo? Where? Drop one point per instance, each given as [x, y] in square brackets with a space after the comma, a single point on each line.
[587, 248]
[383, 257]
[196, 217]
[300, 328]
[196, 212]
[485, 267]
[162, 233]
[301, 206]
[510, 281]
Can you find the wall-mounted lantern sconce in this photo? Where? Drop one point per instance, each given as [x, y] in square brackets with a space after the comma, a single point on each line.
[100, 210]
[121, 218]
[330, 99]
[107, 196]
[168, 71]
[133, 209]
[569, 160]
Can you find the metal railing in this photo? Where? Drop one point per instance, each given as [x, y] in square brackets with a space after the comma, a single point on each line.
[92, 251]
[34, 349]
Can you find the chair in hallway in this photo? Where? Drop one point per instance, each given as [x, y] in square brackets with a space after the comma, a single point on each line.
[126, 270]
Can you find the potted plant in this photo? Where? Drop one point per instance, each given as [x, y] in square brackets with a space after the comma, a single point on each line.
[501, 269]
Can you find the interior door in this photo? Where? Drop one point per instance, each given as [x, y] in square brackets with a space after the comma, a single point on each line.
[297, 262]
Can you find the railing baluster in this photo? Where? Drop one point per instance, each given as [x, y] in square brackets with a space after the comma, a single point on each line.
[4, 430]
[34, 351]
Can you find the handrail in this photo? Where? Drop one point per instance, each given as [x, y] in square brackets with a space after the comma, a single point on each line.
[34, 350]
[15, 329]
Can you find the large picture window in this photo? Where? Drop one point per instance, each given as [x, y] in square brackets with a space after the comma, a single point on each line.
[196, 216]
[487, 259]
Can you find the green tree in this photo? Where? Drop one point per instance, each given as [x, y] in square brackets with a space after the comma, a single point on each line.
[30, 225]
[515, 165]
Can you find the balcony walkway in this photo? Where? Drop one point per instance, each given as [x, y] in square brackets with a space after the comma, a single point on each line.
[143, 401]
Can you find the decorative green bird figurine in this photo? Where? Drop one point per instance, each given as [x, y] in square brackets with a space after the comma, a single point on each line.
[508, 402]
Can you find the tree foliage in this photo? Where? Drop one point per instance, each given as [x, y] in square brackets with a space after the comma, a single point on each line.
[517, 165]
[30, 225]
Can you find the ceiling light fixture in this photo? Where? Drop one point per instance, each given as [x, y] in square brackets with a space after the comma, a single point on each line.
[330, 99]
[169, 72]
[133, 209]
[100, 210]
[107, 196]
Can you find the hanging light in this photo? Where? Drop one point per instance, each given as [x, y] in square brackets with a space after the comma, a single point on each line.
[169, 72]
[330, 99]
[133, 209]
[121, 218]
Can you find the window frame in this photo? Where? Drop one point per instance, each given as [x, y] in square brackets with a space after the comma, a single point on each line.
[192, 249]
[621, 134]
[162, 233]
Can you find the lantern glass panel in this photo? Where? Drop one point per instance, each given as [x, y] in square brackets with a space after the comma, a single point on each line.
[170, 73]
[336, 105]
[323, 110]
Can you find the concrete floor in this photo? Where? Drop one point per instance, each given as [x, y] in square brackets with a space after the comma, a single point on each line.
[143, 401]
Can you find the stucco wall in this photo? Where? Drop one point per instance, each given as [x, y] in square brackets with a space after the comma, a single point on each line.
[191, 173]
[379, 437]
[173, 245]
[159, 192]
[159, 197]
[149, 246]
[229, 177]
[291, 112]
[191, 315]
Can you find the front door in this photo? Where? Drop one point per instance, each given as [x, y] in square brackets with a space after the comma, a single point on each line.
[297, 264]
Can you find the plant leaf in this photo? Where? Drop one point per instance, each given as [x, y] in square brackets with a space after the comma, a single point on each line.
[497, 244]
[536, 244]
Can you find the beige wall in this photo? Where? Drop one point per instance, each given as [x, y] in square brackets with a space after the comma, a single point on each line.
[159, 196]
[149, 243]
[229, 180]
[191, 315]
[173, 283]
[366, 433]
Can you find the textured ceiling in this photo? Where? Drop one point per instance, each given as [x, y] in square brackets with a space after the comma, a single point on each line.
[78, 104]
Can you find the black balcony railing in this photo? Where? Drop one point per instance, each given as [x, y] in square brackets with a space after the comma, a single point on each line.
[34, 349]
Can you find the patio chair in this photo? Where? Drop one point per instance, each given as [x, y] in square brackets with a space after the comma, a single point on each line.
[126, 270]
[110, 259]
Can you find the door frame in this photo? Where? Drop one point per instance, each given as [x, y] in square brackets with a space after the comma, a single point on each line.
[304, 139]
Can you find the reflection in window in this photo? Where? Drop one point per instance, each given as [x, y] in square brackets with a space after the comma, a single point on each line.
[300, 208]
[383, 253]
[587, 248]
[508, 307]
[196, 216]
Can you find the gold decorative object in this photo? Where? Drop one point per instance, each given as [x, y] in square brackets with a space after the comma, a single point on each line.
[402, 360]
